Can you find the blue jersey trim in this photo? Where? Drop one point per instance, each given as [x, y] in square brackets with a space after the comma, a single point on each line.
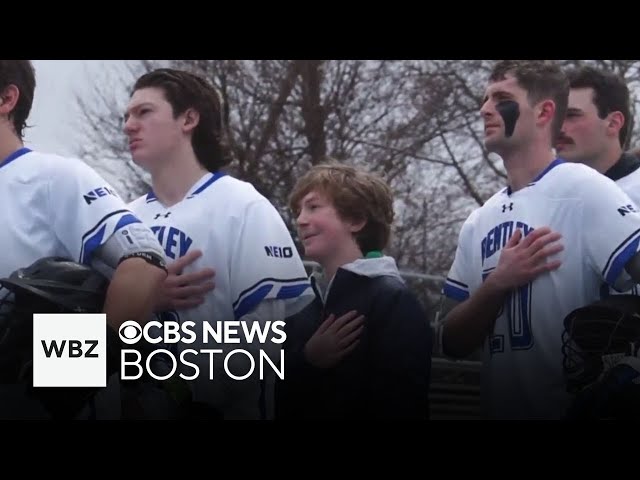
[251, 301]
[15, 155]
[292, 291]
[126, 220]
[454, 292]
[548, 168]
[620, 257]
[457, 283]
[151, 196]
[91, 244]
[93, 238]
[214, 177]
[551, 166]
[252, 296]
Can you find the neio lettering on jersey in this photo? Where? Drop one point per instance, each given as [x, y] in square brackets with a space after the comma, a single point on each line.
[93, 195]
[498, 237]
[279, 252]
[626, 209]
[175, 242]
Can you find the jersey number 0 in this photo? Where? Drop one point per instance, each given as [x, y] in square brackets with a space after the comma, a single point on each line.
[519, 317]
[518, 309]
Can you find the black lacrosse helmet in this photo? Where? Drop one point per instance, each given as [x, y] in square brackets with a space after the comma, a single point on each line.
[57, 284]
[596, 337]
[615, 396]
[49, 285]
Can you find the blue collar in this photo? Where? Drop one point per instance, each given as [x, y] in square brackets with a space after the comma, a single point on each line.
[17, 154]
[151, 196]
[547, 169]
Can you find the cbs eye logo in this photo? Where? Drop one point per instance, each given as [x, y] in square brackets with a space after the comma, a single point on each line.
[130, 332]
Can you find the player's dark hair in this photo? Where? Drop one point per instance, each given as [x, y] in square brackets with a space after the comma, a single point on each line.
[21, 74]
[610, 94]
[542, 80]
[184, 90]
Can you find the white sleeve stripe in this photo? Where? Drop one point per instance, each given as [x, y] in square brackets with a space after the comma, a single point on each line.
[457, 284]
[620, 255]
[102, 220]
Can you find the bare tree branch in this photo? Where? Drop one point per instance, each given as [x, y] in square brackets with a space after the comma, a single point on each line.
[467, 183]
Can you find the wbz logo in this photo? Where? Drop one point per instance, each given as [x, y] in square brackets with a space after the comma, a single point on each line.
[69, 350]
[74, 348]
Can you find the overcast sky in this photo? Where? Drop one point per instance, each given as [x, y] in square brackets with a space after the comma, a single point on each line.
[53, 105]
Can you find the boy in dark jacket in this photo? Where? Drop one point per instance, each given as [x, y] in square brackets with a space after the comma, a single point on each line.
[362, 349]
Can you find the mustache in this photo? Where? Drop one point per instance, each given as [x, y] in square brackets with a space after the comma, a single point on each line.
[564, 139]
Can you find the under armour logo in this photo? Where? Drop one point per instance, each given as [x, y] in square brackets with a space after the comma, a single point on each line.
[504, 207]
[158, 215]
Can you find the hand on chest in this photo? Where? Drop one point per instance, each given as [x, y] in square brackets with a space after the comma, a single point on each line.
[508, 216]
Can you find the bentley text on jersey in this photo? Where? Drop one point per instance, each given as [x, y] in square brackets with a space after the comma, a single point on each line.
[498, 237]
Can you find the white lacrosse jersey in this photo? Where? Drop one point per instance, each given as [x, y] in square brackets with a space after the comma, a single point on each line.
[244, 239]
[54, 206]
[630, 183]
[600, 228]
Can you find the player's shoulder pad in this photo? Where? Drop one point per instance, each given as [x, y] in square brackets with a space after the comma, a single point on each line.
[238, 195]
[239, 190]
[62, 163]
[498, 197]
[47, 166]
[484, 209]
[577, 174]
